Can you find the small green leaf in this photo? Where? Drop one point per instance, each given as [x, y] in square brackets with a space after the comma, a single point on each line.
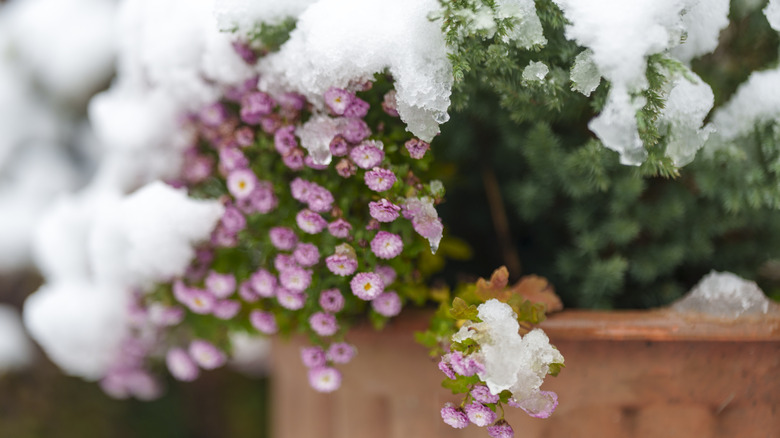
[555, 369]
[461, 310]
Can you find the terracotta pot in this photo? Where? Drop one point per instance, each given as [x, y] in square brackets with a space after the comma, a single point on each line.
[628, 374]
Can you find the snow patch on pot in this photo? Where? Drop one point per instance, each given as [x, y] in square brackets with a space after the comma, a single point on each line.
[725, 295]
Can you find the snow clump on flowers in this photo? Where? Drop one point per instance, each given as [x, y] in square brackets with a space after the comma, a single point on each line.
[511, 361]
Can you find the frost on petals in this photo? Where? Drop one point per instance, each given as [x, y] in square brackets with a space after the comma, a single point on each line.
[425, 219]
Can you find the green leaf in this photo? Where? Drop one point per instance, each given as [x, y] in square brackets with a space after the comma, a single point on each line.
[555, 369]
[461, 310]
[461, 384]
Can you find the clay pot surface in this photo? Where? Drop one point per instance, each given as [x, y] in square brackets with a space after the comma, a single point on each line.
[628, 374]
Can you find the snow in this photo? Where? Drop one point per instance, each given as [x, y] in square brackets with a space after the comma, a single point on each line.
[616, 126]
[535, 71]
[15, 348]
[243, 15]
[66, 45]
[688, 103]
[324, 51]
[527, 30]
[148, 237]
[40, 171]
[513, 362]
[724, 295]
[79, 325]
[620, 36]
[250, 354]
[772, 12]
[703, 20]
[585, 76]
[756, 101]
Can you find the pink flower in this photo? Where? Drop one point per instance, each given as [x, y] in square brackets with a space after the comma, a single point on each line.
[206, 355]
[320, 199]
[294, 159]
[289, 299]
[283, 238]
[480, 414]
[324, 324]
[299, 188]
[264, 322]
[231, 158]
[386, 245]
[313, 357]
[254, 106]
[213, 115]
[338, 100]
[310, 222]
[283, 262]
[263, 283]
[226, 309]
[387, 273]
[367, 155]
[245, 136]
[331, 300]
[387, 304]
[199, 301]
[341, 352]
[346, 168]
[241, 182]
[232, 220]
[338, 146]
[379, 179]
[384, 210]
[416, 148]
[355, 130]
[284, 140]
[367, 285]
[220, 285]
[482, 394]
[197, 168]
[357, 108]
[306, 254]
[445, 368]
[454, 417]
[295, 279]
[339, 228]
[389, 104]
[181, 365]
[261, 200]
[292, 101]
[501, 430]
[341, 264]
[324, 379]
[247, 293]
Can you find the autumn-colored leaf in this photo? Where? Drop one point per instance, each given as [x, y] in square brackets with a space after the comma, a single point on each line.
[496, 287]
[538, 290]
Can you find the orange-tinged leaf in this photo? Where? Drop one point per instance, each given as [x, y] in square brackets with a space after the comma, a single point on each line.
[496, 287]
[538, 290]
